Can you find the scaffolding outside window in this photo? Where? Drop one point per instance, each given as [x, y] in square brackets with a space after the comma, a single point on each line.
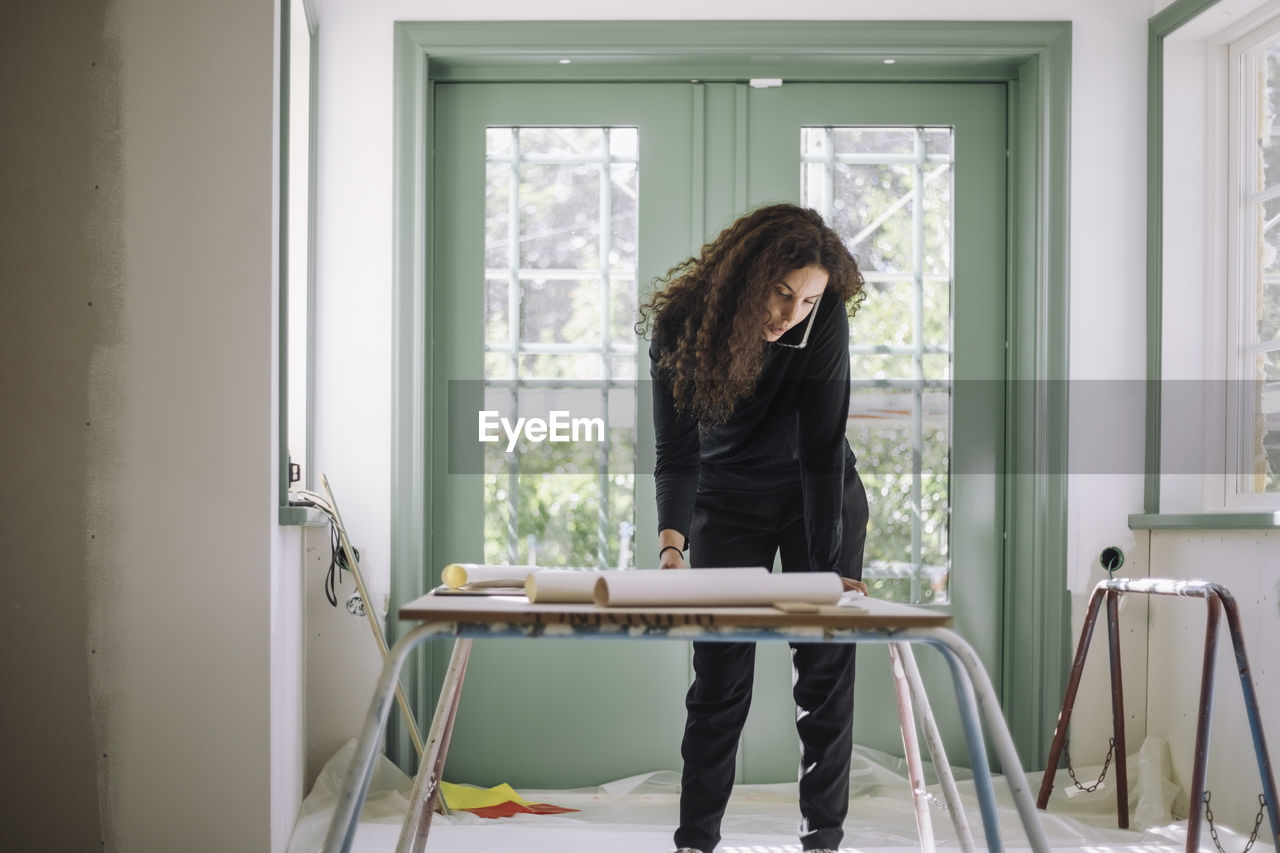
[1253, 333]
[888, 192]
[561, 236]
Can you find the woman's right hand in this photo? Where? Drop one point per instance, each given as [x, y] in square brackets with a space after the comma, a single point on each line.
[671, 545]
[671, 559]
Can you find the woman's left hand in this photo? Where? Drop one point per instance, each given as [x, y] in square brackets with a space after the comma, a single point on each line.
[851, 585]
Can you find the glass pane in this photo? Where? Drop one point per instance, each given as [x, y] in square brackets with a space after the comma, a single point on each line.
[873, 140]
[1268, 131]
[937, 142]
[623, 367]
[561, 245]
[623, 299]
[560, 311]
[1269, 407]
[559, 216]
[498, 365]
[878, 366]
[497, 314]
[566, 143]
[936, 257]
[872, 209]
[570, 365]
[1269, 309]
[885, 316]
[888, 193]
[499, 142]
[498, 249]
[813, 141]
[625, 239]
[937, 315]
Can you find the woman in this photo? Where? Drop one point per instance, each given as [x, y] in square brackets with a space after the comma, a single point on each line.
[750, 361]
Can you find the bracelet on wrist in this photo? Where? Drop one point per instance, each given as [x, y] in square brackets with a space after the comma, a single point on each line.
[675, 548]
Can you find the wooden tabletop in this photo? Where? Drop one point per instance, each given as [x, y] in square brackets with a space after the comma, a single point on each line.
[867, 613]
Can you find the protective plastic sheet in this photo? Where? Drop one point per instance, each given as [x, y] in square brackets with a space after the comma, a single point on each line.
[637, 814]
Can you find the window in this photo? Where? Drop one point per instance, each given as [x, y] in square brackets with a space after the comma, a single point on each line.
[561, 236]
[1253, 292]
[887, 191]
[1217, 281]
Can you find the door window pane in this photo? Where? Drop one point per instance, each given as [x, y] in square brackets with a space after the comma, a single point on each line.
[887, 191]
[560, 253]
[1260, 296]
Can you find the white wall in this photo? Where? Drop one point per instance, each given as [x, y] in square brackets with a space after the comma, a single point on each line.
[195, 599]
[1245, 563]
[354, 260]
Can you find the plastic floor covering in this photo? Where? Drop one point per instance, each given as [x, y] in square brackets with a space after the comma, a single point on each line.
[637, 815]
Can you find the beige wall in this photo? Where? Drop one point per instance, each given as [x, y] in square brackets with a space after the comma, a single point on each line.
[152, 638]
[60, 283]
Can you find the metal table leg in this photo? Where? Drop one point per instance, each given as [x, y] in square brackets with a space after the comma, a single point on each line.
[937, 751]
[911, 747]
[346, 814]
[975, 692]
[426, 785]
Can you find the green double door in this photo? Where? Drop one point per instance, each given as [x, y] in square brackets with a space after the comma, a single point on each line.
[554, 207]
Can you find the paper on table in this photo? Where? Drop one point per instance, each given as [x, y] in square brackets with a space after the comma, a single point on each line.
[457, 575]
[726, 587]
[561, 586]
[568, 586]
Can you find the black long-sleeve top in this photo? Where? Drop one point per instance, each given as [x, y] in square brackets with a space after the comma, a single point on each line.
[792, 429]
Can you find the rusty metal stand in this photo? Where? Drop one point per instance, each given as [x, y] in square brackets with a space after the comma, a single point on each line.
[1219, 600]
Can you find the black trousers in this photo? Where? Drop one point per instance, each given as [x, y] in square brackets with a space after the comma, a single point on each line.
[748, 530]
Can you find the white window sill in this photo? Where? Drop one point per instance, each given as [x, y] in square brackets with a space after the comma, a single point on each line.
[1249, 520]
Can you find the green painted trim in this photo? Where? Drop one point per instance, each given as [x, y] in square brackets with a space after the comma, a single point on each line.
[1037, 639]
[1034, 56]
[1155, 263]
[1159, 26]
[670, 46]
[282, 266]
[301, 516]
[313, 181]
[411, 463]
[286, 515]
[1206, 521]
[1173, 16]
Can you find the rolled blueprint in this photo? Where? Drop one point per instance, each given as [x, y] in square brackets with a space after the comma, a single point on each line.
[561, 586]
[568, 586]
[715, 587]
[456, 575]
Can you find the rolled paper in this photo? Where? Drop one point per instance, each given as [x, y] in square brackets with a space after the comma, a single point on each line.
[561, 586]
[456, 575]
[715, 587]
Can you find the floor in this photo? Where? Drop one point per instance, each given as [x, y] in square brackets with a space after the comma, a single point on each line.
[636, 815]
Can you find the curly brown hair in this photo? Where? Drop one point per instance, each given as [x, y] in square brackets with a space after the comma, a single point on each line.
[708, 310]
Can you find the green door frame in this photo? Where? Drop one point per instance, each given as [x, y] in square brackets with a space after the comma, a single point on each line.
[1032, 58]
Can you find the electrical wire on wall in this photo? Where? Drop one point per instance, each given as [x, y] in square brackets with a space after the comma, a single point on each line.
[337, 559]
[342, 557]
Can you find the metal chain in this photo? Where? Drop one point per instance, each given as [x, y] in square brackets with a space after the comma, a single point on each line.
[1111, 748]
[1257, 822]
